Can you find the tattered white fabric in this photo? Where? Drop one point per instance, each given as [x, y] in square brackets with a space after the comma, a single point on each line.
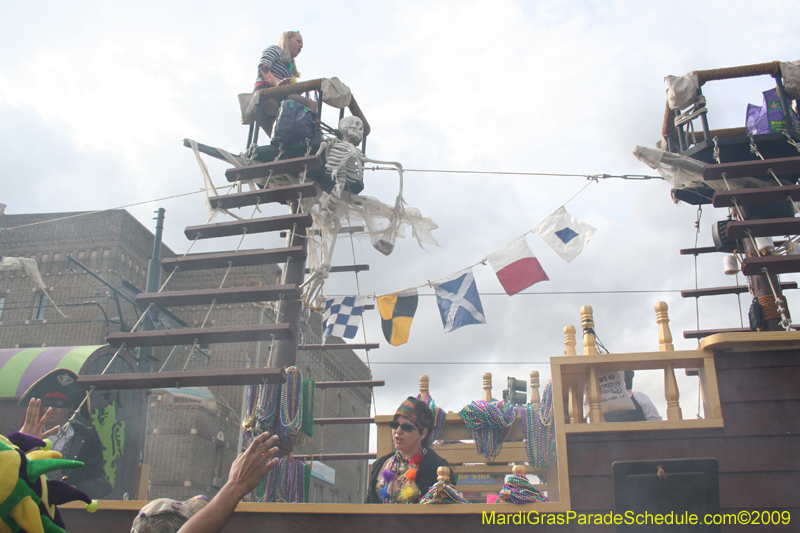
[211, 190]
[248, 105]
[30, 268]
[684, 172]
[335, 93]
[791, 78]
[682, 91]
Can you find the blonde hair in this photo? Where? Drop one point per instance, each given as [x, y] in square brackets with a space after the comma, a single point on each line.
[283, 43]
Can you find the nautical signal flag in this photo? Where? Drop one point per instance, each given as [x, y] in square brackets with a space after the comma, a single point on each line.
[459, 301]
[397, 311]
[516, 267]
[564, 233]
[342, 316]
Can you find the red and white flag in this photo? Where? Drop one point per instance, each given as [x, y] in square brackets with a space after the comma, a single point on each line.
[516, 266]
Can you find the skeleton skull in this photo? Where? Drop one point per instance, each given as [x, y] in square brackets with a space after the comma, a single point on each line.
[352, 129]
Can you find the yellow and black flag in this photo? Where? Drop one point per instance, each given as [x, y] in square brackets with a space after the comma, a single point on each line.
[397, 311]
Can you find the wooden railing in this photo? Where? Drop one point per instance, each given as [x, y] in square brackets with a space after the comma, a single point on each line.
[574, 374]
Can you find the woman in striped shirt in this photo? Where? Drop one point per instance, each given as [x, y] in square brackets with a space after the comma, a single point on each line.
[278, 66]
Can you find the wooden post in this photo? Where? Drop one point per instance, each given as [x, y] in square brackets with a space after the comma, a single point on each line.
[569, 341]
[595, 413]
[290, 310]
[487, 386]
[672, 394]
[443, 475]
[424, 387]
[664, 334]
[575, 405]
[587, 323]
[535, 399]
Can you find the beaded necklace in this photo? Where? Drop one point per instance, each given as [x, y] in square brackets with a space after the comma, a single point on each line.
[438, 418]
[519, 490]
[307, 426]
[262, 403]
[404, 472]
[490, 424]
[287, 483]
[291, 404]
[539, 430]
[446, 492]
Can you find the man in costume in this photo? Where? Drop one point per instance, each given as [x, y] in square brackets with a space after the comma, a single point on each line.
[60, 395]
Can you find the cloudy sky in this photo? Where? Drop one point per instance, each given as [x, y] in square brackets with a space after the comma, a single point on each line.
[96, 98]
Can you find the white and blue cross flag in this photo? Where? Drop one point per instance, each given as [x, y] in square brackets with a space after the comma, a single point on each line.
[342, 316]
[459, 301]
[564, 233]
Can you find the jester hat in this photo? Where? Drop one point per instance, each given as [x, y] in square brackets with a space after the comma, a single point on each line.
[27, 498]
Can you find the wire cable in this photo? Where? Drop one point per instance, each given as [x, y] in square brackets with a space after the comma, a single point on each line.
[101, 211]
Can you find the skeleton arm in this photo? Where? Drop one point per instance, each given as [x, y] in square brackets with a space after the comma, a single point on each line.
[397, 165]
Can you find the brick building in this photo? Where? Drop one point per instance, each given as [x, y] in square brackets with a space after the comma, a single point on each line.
[192, 433]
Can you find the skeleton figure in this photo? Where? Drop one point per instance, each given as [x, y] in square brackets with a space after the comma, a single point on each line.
[345, 162]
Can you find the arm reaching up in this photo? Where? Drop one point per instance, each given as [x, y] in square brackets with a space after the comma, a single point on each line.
[247, 471]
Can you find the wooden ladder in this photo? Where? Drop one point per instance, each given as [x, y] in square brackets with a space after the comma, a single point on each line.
[752, 265]
[287, 293]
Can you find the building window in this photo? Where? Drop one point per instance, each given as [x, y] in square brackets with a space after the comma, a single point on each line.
[39, 306]
[338, 404]
[320, 493]
[334, 496]
[2, 305]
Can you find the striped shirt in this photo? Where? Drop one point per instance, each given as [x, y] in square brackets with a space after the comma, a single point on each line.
[272, 60]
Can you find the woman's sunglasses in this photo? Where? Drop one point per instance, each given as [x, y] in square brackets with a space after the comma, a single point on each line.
[408, 428]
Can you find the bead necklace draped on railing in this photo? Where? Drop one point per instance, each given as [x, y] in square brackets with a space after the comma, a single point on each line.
[288, 482]
[490, 424]
[540, 432]
[291, 410]
[517, 489]
[283, 410]
[438, 418]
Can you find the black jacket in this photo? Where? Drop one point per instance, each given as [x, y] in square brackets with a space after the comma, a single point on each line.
[426, 474]
[85, 446]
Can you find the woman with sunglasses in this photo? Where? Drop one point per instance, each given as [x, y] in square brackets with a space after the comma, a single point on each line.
[407, 474]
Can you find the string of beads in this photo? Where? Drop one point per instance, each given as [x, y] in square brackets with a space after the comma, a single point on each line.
[490, 424]
[519, 490]
[286, 483]
[438, 418]
[446, 492]
[291, 405]
[540, 432]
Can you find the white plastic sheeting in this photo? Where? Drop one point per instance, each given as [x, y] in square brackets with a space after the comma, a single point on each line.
[30, 268]
[682, 91]
[791, 78]
[684, 172]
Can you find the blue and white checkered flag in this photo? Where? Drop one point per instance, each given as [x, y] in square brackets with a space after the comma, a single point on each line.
[342, 316]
